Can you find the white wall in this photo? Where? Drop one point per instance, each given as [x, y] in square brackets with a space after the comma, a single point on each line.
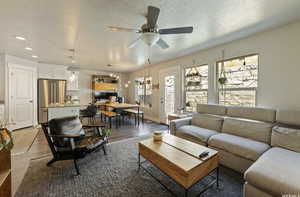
[279, 67]
[2, 78]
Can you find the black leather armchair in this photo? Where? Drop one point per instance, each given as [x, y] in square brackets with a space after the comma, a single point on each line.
[90, 112]
[69, 140]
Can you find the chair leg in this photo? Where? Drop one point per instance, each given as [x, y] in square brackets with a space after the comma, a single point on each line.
[143, 118]
[104, 150]
[135, 119]
[51, 162]
[76, 167]
[110, 122]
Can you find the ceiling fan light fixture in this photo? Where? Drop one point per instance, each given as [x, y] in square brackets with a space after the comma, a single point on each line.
[150, 38]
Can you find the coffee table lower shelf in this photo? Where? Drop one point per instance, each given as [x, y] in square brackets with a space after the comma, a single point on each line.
[186, 192]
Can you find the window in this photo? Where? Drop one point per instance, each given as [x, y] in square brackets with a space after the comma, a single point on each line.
[196, 86]
[240, 75]
[143, 90]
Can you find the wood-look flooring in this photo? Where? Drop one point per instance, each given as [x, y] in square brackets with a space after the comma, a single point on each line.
[30, 144]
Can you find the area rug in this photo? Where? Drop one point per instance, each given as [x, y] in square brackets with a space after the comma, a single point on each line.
[114, 175]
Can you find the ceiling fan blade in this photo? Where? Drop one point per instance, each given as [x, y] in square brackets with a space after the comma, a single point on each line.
[162, 44]
[152, 16]
[179, 30]
[133, 43]
[113, 28]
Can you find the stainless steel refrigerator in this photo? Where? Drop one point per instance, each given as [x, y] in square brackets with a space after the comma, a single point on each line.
[51, 92]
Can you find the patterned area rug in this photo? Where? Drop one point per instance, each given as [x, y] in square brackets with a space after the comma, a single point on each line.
[114, 175]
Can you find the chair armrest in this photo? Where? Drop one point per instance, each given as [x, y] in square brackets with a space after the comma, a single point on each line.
[92, 126]
[65, 136]
[175, 124]
[46, 124]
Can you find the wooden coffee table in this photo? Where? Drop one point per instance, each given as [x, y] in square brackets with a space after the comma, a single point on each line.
[179, 159]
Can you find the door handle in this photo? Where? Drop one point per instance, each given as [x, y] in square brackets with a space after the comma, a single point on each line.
[31, 101]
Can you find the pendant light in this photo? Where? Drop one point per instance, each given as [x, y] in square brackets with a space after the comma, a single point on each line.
[222, 79]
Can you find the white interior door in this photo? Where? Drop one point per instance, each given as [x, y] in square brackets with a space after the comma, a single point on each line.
[22, 90]
[170, 100]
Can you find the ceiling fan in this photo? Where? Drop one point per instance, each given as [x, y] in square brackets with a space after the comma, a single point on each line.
[150, 34]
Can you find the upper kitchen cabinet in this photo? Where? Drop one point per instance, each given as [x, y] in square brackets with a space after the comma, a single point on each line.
[50, 71]
[104, 83]
[73, 80]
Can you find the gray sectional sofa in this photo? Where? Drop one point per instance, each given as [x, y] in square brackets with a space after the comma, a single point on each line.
[264, 144]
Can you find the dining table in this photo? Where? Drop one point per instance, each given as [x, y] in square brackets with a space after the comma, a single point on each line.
[122, 106]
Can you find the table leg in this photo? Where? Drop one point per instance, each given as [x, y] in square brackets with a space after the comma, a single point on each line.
[139, 161]
[218, 177]
[186, 192]
[109, 122]
[138, 116]
[117, 121]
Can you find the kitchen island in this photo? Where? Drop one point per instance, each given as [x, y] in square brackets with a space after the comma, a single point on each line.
[59, 111]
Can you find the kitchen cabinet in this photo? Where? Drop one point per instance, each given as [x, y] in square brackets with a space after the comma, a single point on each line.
[59, 112]
[72, 80]
[50, 71]
[106, 86]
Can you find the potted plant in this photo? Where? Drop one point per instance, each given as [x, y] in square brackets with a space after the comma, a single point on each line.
[197, 83]
[6, 140]
[222, 80]
[106, 132]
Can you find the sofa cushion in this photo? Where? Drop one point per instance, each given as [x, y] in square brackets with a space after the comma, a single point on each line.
[253, 129]
[211, 109]
[240, 146]
[251, 191]
[195, 132]
[233, 161]
[254, 113]
[276, 171]
[174, 124]
[286, 138]
[288, 117]
[208, 121]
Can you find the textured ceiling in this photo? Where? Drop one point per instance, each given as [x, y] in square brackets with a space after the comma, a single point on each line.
[54, 26]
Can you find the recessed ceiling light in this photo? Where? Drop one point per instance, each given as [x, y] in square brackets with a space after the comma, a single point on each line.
[34, 56]
[28, 48]
[20, 38]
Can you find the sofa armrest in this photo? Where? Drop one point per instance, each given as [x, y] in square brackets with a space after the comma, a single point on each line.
[175, 124]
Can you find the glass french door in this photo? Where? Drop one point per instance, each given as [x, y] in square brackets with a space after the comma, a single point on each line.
[169, 93]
